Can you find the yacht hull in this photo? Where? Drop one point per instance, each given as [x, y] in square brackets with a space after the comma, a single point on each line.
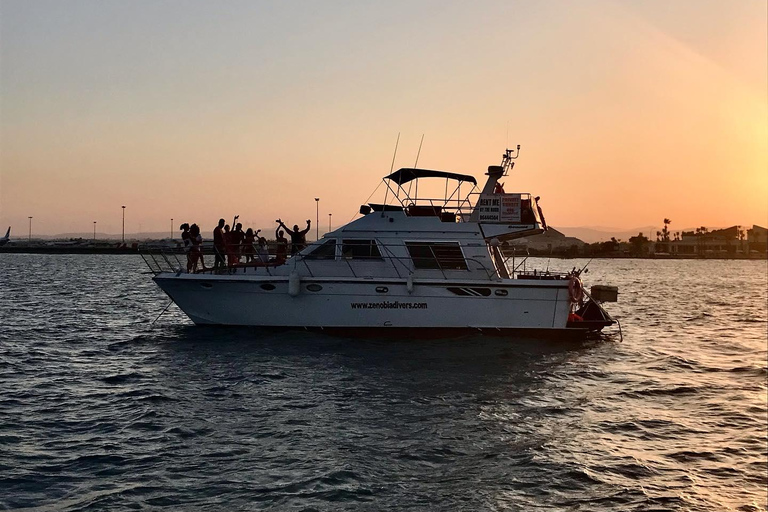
[371, 305]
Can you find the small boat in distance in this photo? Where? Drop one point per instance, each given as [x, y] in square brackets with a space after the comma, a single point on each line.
[414, 266]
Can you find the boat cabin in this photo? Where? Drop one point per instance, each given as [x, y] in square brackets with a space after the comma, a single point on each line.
[410, 233]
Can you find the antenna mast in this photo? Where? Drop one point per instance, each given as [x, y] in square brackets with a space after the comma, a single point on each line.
[506, 159]
[419, 152]
[392, 167]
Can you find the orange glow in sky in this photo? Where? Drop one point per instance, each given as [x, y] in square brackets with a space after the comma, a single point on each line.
[627, 112]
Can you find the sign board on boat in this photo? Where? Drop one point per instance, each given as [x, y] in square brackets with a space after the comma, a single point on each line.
[499, 207]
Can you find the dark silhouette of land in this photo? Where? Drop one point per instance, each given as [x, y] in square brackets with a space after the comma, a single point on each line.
[736, 242]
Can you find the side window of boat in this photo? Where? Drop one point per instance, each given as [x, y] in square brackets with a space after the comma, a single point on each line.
[326, 251]
[436, 255]
[360, 250]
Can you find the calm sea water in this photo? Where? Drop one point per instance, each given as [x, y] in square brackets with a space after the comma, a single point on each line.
[100, 410]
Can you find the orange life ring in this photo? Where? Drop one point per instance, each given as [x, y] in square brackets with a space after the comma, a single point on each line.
[575, 289]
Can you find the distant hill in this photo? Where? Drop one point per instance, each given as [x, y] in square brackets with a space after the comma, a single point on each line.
[601, 234]
[594, 234]
[551, 239]
[101, 236]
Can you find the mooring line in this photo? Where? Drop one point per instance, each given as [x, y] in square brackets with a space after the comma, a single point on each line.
[161, 313]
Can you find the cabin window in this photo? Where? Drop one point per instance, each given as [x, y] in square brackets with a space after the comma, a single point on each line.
[470, 292]
[326, 251]
[436, 255]
[360, 250]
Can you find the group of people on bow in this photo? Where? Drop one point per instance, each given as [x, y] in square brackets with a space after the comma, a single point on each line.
[233, 247]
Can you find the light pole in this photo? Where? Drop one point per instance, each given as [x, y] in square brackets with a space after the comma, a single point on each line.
[94, 231]
[30, 229]
[123, 223]
[171, 228]
[329, 222]
[317, 219]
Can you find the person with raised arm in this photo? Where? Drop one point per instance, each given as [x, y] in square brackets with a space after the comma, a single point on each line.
[238, 238]
[298, 238]
[228, 248]
[281, 249]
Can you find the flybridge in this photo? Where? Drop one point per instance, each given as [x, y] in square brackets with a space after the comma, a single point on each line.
[501, 215]
[449, 208]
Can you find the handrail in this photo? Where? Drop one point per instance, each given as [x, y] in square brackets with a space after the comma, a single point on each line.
[394, 259]
[167, 259]
[462, 208]
[454, 197]
[491, 274]
[304, 260]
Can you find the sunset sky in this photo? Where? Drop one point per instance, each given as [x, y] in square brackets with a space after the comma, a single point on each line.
[627, 111]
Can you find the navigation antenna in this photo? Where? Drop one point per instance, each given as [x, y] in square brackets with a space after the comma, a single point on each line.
[506, 159]
[419, 152]
[391, 168]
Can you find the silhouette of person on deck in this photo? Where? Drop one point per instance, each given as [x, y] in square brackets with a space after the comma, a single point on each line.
[298, 238]
[228, 245]
[262, 250]
[195, 250]
[185, 235]
[248, 248]
[219, 248]
[187, 239]
[237, 239]
[281, 249]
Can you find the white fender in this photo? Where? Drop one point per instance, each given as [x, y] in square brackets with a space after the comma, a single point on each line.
[575, 289]
[294, 283]
[409, 284]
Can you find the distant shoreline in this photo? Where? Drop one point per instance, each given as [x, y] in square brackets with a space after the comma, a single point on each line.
[71, 250]
[141, 250]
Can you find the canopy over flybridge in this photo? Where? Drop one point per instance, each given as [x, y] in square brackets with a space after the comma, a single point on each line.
[405, 175]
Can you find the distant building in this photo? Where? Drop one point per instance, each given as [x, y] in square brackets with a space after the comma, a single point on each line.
[732, 241]
[757, 238]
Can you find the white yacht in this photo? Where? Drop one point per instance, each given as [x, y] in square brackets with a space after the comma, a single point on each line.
[411, 265]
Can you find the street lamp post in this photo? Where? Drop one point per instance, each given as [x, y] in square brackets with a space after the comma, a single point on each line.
[94, 231]
[30, 229]
[171, 228]
[317, 219]
[329, 222]
[123, 223]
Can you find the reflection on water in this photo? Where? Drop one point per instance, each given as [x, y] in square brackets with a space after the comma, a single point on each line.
[104, 411]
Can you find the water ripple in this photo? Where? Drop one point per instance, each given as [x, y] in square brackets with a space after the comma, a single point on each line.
[102, 411]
